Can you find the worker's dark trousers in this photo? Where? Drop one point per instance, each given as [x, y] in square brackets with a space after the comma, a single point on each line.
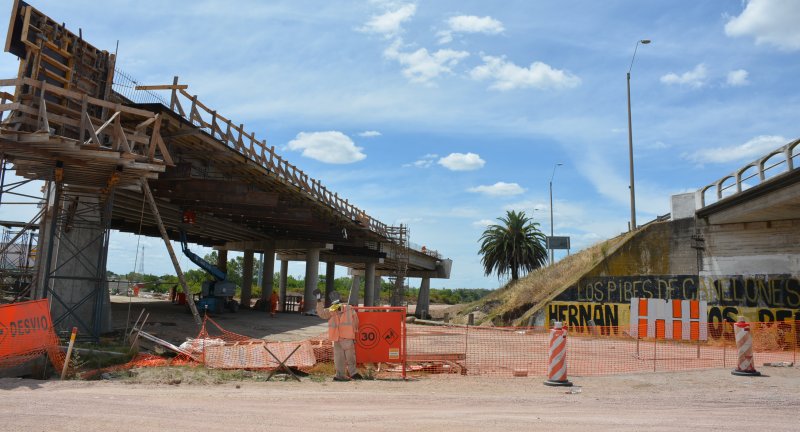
[344, 357]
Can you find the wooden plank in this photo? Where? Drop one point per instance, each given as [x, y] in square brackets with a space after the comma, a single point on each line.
[164, 152]
[151, 151]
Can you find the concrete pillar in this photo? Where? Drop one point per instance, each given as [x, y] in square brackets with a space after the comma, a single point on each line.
[282, 285]
[312, 277]
[222, 260]
[247, 278]
[377, 296]
[267, 270]
[423, 299]
[77, 275]
[354, 290]
[369, 285]
[330, 276]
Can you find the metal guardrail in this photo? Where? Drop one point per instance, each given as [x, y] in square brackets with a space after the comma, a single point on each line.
[724, 187]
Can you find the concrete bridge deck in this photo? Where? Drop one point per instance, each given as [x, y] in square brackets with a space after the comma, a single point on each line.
[100, 153]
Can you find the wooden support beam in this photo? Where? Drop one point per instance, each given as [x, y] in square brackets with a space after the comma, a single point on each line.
[149, 195]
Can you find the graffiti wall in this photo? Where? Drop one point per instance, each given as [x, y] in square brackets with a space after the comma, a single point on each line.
[606, 300]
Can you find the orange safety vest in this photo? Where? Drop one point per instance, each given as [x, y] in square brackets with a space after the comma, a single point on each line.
[342, 324]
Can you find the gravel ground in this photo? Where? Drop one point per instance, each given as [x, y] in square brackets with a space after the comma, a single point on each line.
[708, 400]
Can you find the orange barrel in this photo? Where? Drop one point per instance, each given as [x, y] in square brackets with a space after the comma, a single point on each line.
[181, 298]
[557, 365]
[745, 366]
[136, 290]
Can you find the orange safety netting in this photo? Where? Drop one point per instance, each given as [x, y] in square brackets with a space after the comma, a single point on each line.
[26, 333]
[218, 348]
[590, 350]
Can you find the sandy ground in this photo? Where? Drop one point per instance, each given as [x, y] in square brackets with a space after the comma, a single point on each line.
[710, 400]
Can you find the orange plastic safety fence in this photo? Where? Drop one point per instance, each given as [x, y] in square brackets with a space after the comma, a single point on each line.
[220, 349]
[26, 333]
[590, 350]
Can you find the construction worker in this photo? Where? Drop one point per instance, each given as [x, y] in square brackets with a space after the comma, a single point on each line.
[273, 304]
[342, 330]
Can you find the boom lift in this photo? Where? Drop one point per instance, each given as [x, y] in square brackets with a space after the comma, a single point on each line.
[216, 295]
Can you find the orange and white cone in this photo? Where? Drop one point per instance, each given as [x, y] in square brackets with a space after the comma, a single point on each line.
[557, 366]
[744, 344]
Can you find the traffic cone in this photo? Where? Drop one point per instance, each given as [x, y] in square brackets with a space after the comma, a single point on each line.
[557, 366]
[744, 344]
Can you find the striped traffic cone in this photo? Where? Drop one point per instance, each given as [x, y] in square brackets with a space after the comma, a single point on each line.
[744, 344]
[557, 367]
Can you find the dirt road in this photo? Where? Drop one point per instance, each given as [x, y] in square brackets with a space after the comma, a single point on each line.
[700, 400]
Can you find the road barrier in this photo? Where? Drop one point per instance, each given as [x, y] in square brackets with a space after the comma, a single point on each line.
[744, 346]
[511, 351]
[26, 332]
[593, 350]
[557, 358]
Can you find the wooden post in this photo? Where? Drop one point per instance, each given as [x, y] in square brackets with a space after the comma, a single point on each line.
[69, 352]
[175, 263]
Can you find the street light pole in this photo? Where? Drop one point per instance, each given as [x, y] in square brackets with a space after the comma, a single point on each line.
[550, 246]
[630, 137]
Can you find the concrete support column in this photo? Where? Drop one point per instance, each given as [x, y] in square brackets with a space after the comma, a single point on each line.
[247, 278]
[424, 299]
[354, 290]
[330, 276]
[369, 285]
[377, 296]
[222, 260]
[282, 285]
[312, 277]
[267, 270]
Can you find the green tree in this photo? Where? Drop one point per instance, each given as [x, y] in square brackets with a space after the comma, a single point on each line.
[516, 245]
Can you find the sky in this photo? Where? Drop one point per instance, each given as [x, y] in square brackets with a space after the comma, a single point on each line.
[443, 115]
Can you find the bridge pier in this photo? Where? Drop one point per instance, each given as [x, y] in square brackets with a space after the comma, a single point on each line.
[376, 297]
[355, 287]
[72, 268]
[312, 277]
[222, 260]
[369, 284]
[284, 273]
[423, 299]
[267, 272]
[330, 276]
[247, 278]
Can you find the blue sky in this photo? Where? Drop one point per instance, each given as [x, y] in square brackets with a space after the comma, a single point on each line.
[445, 114]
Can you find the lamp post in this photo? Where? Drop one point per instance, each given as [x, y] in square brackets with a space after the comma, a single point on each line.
[550, 246]
[630, 136]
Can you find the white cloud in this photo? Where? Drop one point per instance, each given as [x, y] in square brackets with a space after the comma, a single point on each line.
[498, 189]
[389, 24]
[421, 66]
[771, 22]
[483, 223]
[462, 162]
[424, 162]
[508, 76]
[369, 134]
[750, 150]
[331, 147]
[693, 78]
[469, 24]
[738, 78]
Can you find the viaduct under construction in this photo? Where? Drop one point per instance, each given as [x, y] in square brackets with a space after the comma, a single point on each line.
[116, 156]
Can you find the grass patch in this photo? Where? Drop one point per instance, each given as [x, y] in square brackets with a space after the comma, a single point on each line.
[516, 302]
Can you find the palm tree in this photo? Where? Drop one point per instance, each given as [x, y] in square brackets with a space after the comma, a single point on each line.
[516, 244]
